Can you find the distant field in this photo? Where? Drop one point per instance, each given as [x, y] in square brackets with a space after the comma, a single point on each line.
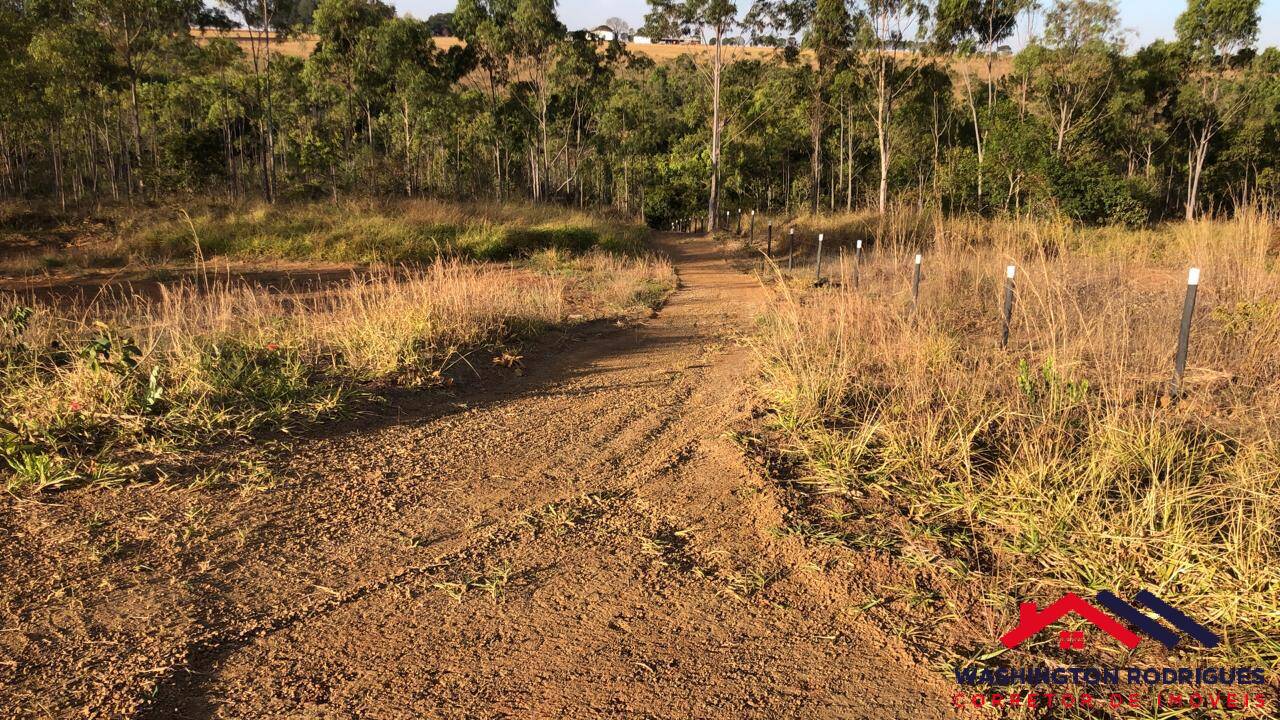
[301, 46]
[296, 46]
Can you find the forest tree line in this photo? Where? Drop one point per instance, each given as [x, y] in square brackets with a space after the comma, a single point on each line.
[115, 100]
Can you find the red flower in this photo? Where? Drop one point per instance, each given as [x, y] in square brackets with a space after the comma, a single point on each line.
[75, 406]
[273, 347]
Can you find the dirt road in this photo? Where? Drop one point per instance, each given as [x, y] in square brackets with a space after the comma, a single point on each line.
[583, 540]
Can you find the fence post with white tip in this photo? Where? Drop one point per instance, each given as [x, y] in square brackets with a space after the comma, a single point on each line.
[791, 248]
[1184, 333]
[818, 273]
[1009, 274]
[768, 249]
[751, 234]
[857, 265]
[915, 283]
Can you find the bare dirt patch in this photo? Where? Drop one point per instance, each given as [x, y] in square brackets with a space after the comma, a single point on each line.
[581, 539]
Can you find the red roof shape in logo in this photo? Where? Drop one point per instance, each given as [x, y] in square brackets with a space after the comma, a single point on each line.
[1032, 620]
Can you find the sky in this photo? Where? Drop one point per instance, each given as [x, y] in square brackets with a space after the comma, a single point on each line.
[1146, 19]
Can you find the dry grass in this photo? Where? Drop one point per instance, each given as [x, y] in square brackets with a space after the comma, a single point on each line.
[124, 388]
[354, 231]
[1053, 466]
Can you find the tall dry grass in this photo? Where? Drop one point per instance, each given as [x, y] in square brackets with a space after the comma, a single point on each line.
[1055, 465]
[119, 389]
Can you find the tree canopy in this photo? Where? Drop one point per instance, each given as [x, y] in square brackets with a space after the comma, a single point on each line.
[887, 101]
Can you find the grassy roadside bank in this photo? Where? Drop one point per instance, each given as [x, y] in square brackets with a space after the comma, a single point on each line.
[986, 477]
[128, 386]
[37, 240]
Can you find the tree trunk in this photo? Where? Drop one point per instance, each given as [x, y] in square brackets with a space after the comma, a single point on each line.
[269, 152]
[882, 142]
[713, 200]
[815, 136]
[977, 132]
[56, 157]
[1195, 166]
[408, 151]
[848, 198]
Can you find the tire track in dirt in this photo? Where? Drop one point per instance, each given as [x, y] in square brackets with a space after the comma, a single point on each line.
[677, 602]
[582, 541]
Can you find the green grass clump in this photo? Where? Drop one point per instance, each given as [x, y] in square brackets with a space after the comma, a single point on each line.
[372, 234]
[91, 406]
[354, 232]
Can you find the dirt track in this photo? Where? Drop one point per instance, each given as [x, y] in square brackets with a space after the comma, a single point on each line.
[580, 541]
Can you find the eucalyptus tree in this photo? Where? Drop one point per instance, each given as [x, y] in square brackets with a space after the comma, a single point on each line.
[538, 35]
[1073, 70]
[95, 105]
[409, 74]
[827, 29]
[139, 33]
[581, 79]
[1213, 32]
[1139, 113]
[21, 90]
[631, 125]
[342, 76]
[75, 66]
[1252, 155]
[619, 26]
[262, 19]
[715, 18]
[830, 36]
[483, 25]
[966, 27]
[891, 72]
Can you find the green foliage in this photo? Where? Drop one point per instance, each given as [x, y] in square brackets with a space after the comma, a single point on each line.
[33, 471]
[1247, 321]
[15, 321]
[526, 110]
[980, 22]
[1217, 28]
[1048, 388]
[1093, 193]
[245, 376]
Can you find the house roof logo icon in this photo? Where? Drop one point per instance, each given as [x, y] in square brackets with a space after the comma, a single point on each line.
[1032, 620]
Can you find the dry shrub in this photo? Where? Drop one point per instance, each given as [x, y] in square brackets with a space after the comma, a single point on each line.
[1056, 465]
